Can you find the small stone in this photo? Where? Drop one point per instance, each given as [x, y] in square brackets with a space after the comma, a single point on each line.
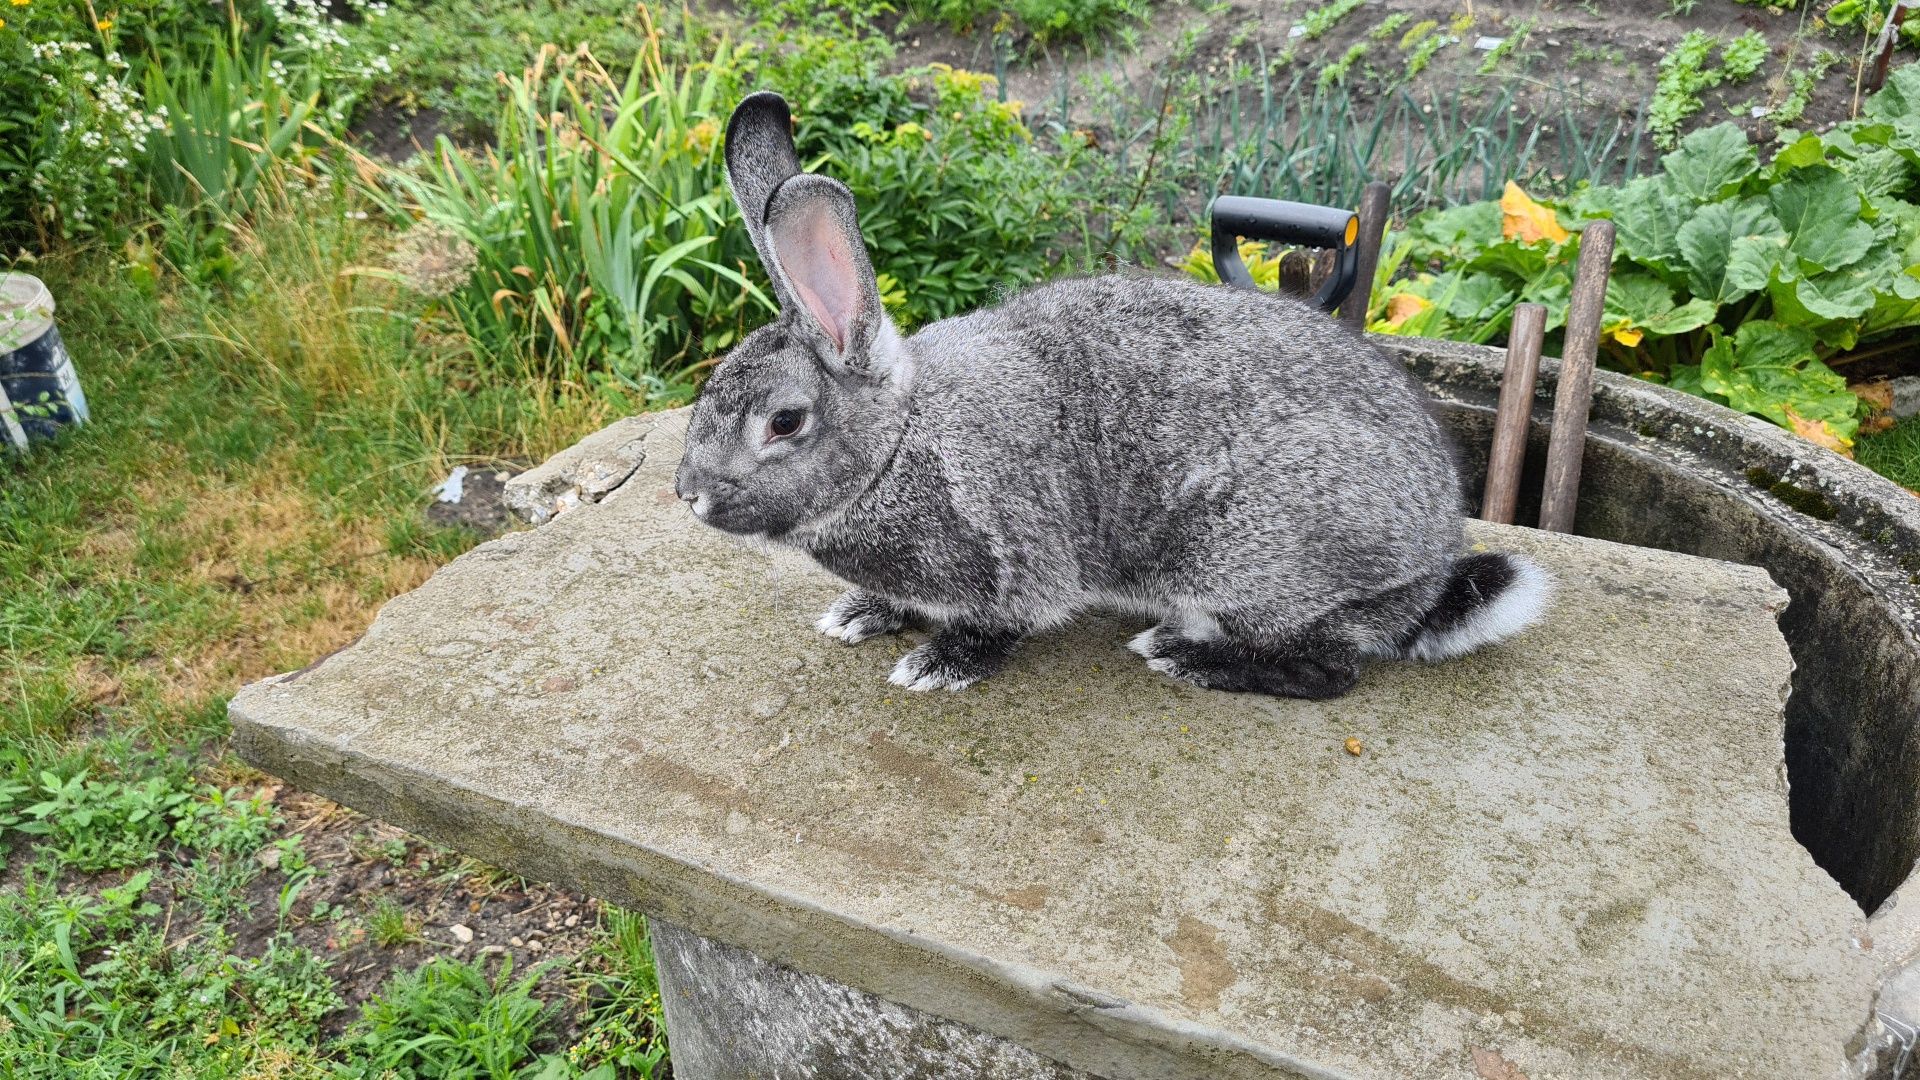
[572, 921]
[536, 945]
[516, 943]
[461, 932]
[492, 950]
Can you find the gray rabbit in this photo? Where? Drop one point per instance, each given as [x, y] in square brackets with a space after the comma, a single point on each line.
[1235, 465]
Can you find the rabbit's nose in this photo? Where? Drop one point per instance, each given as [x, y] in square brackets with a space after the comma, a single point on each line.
[686, 482]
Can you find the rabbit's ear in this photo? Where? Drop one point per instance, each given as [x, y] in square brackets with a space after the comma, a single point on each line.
[760, 156]
[815, 236]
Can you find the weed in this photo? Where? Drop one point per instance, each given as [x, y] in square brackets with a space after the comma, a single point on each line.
[102, 824]
[1606, 54]
[391, 925]
[450, 1018]
[627, 1029]
[288, 989]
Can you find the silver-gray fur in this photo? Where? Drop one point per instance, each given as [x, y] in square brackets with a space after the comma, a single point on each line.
[1236, 465]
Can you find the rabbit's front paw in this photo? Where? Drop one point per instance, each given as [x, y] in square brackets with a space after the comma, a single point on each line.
[859, 615]
[954, 660]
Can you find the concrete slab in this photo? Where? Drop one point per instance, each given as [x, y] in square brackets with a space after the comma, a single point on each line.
[1564, 857]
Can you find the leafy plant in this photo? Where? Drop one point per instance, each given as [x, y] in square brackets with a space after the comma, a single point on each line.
[1799, 88]
[226, 123]
[604, 245]
[1318, 21]
[1869, 15]
[104, 824]
[1046, 20]
[1513, 40]
[955, 203]
[1389, 26]
[1731, 279]
[1685, 72]
[1424, 52]
[1336, 72]
[627, 1030]
[450, 1019]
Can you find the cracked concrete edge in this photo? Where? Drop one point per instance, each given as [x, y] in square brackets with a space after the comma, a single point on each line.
[583, 473]
[1053, 1016]
[1885, 1048]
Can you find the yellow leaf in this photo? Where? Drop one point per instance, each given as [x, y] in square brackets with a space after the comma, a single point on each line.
[1625, 333]
[1878, 395]
[1527, 221]
[1818, 433]
[1404, 306]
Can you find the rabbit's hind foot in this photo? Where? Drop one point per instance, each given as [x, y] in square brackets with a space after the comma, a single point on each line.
[1318, 669]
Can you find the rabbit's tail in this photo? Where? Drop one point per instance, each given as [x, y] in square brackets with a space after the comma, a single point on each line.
[1488, 597]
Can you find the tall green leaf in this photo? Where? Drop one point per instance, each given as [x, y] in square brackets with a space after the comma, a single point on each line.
[1820, 210]
[1722, 239]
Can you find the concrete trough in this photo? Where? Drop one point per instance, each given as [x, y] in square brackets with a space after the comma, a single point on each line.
[1564, 857]
[1668, 470]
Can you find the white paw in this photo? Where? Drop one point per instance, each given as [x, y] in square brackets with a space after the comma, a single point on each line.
[1142, 642]
[852, 631]
[852, 619]
[916, 671]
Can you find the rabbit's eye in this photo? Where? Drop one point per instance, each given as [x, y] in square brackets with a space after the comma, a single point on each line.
[784, 423]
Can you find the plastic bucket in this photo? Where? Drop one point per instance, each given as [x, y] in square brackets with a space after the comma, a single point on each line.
[39, 388]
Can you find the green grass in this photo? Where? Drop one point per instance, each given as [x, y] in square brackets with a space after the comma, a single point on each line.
[249, 492]
[1893, 453]
[391, 925]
